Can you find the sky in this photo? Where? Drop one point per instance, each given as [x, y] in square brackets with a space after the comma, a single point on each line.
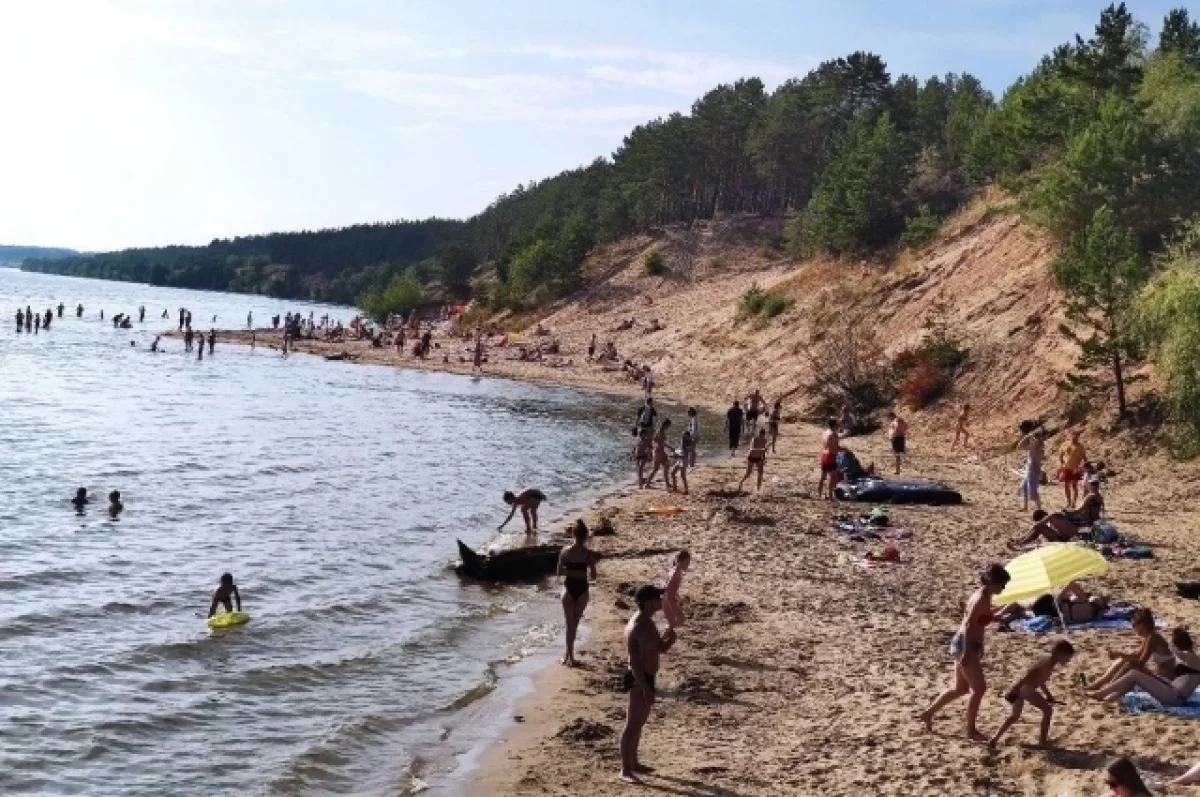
[150, 122]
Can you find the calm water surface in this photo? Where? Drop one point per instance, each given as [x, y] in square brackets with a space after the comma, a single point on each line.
[333, 492]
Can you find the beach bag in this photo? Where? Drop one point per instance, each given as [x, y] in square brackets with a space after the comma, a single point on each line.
[877, 517]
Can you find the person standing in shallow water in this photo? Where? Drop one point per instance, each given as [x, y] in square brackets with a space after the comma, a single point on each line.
[212, 340]
[20, 319]
[528, 502]
[61, 307]
[966, 646]
[577, 564]
[28, 318]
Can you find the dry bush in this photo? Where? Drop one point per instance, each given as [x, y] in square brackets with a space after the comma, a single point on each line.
[923, 384]
[847, 365]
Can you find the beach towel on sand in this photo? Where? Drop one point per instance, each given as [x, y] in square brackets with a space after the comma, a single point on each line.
[1115, 619]
[1142, 703]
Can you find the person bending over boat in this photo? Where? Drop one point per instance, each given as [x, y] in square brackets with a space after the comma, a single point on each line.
[528, 502]
[226, 594]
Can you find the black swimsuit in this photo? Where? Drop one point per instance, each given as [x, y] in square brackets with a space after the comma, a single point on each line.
[576, 581]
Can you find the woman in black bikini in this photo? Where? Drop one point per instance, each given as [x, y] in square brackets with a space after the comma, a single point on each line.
[577, 563]
[966, 646]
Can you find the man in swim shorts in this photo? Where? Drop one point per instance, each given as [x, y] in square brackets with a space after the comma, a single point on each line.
[1070, 467]
[828, 459]
[898, 434]
[225, 594]
[645, 646]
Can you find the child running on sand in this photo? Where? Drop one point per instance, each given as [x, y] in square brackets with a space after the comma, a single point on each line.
[1032, 687]
[966, 646]
[671, 610]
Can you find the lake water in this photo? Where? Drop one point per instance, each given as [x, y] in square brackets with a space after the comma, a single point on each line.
[333, 492]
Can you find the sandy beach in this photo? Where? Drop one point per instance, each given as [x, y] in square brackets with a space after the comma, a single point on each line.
[800, 669]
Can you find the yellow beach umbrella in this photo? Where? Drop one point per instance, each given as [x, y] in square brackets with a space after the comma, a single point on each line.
[1047, 568]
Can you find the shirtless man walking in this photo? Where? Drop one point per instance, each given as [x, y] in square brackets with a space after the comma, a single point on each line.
[829, 451]
[645, 645]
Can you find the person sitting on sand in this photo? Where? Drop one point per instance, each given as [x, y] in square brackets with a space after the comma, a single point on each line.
[645, 646]
[528, 502]
[81, 499]
[225, 594]
[114, 503]
[1154, 649]
[1123, 780]
[961, 430]
[1189, 778]
[1173, 686]
[1049, 527]
[966, 646]
[1091, 509]
[577, 565]
[756, 458]
[1032, 687]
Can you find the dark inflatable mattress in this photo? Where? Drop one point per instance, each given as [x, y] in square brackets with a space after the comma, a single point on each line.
[897, 491]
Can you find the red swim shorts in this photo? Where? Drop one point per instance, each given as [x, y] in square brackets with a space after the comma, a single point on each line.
[1068, 475]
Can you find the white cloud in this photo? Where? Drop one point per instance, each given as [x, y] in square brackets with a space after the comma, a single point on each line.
[674, 72]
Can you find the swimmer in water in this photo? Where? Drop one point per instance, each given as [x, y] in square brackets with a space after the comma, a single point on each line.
[114, 503]
[81, 499]
[225, 594]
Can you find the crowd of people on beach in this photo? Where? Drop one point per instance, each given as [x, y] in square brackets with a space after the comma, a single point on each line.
[1164, 666]
[1166, 669]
